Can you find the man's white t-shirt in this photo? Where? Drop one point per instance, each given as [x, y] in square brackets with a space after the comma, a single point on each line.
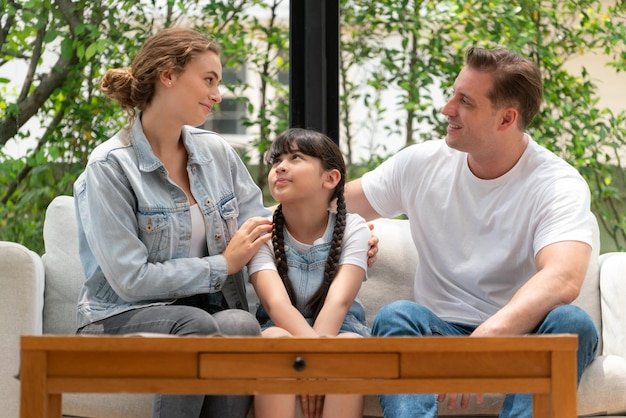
[478, 239]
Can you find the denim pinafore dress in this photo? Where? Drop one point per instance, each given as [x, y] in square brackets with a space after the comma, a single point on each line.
[306, 272]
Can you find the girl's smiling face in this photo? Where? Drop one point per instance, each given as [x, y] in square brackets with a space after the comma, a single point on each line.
[295, 176]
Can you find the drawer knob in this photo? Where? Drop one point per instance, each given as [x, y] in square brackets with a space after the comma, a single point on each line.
[299, 364]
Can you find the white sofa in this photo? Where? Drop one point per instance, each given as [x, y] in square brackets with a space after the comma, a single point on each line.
[39, 296]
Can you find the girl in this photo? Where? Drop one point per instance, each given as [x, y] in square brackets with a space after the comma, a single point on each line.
[309, 276]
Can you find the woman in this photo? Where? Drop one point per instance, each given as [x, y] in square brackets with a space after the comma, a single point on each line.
[168, 214]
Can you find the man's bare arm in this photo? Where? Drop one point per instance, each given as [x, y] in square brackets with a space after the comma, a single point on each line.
[561, 269]
[356, 202]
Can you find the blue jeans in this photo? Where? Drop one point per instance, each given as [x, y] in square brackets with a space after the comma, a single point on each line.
[190, 316]
[409, 318]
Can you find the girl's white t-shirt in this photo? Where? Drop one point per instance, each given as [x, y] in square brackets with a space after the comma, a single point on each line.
[353, 250]
[477, 239]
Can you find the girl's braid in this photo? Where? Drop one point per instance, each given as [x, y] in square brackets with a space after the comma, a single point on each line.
[317, 300]
[278, 242]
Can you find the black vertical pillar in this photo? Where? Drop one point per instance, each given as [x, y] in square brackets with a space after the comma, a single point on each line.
[314, 65]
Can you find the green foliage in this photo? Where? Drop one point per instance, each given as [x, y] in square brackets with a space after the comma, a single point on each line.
[82, 39]
[63, 48]
[410, 50]
[571, 123]
[259, 43]
[418, 50]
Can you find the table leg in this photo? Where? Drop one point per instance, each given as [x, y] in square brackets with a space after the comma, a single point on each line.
[54, 405]
[564, 384]
[542, 405]
[33, 397]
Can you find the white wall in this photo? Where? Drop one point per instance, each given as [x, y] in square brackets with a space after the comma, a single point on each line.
[611, 86]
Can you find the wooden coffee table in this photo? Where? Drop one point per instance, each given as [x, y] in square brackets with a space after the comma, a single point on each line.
[542, 365]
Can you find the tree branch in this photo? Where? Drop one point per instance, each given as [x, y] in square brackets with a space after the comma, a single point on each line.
[34, 61]
[29, 107]
[13, 185]
[66, 7]
[4, 31]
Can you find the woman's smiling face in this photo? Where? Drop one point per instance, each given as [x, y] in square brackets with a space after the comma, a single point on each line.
[197, 88]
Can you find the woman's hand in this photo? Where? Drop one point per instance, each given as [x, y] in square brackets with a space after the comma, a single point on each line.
[246, 242]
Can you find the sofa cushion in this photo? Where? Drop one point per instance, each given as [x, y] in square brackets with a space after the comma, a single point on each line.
[602, 389]
[107, 405]
[64, 273]
[391, 276]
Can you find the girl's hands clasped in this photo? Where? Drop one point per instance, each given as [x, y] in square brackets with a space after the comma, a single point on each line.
[465, 399]
[246, 242]
[312, 405]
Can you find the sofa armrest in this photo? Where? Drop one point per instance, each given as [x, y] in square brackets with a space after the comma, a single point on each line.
[22, 281]
[612, 297]
[21, 307]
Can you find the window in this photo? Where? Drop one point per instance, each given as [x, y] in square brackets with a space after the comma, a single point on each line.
[227, 117]
[283, 77]
[283, 70]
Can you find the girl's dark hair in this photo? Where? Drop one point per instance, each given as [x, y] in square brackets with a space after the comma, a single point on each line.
[168, 50]
[318, 145]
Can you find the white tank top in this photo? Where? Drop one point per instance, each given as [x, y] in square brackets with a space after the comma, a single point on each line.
[198, 233]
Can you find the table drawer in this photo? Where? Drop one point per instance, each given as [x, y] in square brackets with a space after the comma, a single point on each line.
[298, 365]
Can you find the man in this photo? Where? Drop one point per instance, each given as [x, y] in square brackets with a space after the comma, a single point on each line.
[500, 223]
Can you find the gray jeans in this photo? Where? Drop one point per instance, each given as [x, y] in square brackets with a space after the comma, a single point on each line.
[185, 318]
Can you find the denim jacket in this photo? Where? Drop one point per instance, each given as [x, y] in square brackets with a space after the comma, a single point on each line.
[134, 224]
